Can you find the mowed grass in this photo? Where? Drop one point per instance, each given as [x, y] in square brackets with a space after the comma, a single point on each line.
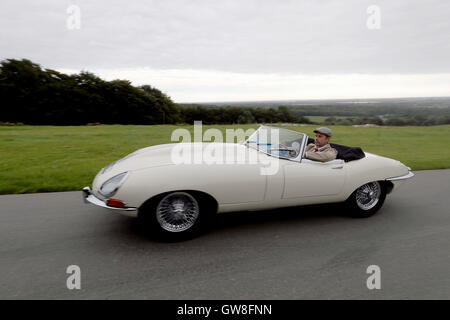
[50, 158]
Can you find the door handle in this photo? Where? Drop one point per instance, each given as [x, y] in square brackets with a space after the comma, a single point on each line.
[337, 167]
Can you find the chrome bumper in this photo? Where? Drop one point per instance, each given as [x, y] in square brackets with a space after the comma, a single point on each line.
[396, 182]
[406, 176]
[88, 197]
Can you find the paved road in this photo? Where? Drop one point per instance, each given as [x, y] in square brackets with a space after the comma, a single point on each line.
[296, 253]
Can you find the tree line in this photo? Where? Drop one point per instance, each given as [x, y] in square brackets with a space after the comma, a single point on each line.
[36, 96]
[240, 115]
[32, 95]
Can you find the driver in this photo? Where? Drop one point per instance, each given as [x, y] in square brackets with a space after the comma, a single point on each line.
[321, 150]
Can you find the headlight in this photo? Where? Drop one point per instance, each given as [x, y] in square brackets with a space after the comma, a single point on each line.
[110, 186]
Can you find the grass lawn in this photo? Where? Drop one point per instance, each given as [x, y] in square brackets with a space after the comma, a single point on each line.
[50, 158]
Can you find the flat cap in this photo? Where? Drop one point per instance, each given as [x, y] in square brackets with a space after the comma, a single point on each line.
[324, 130]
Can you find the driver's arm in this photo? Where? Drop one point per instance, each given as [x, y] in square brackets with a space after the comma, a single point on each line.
[308, 147]
[322, 156]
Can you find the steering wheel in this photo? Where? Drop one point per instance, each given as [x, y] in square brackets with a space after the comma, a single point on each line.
[282, 147]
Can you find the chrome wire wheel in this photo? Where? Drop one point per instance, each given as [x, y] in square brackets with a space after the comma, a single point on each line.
[177, 212]
[368, 195]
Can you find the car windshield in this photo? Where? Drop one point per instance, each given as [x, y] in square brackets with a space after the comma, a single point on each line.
[278, 142]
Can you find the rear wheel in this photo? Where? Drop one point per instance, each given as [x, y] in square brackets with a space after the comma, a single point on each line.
[367, 199]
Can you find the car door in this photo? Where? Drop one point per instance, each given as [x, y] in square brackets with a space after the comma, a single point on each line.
[313, 179]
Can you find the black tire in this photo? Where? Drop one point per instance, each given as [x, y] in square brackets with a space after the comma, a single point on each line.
[164, 223]
[356, 205]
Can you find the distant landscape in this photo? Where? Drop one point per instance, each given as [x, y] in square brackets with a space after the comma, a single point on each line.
[390, 111]
[33, 95]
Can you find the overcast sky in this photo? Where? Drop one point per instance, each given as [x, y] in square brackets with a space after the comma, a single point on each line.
[230, 50]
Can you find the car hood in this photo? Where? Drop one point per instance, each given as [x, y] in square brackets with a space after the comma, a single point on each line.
[168, 154]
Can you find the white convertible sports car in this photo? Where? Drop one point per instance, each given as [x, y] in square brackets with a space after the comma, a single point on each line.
[175, 187]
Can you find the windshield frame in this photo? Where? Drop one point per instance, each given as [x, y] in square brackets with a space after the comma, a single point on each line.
[301, 151]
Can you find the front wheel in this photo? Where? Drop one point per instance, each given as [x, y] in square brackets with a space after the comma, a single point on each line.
[175, 216]
[367, 199]
[177, 212]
